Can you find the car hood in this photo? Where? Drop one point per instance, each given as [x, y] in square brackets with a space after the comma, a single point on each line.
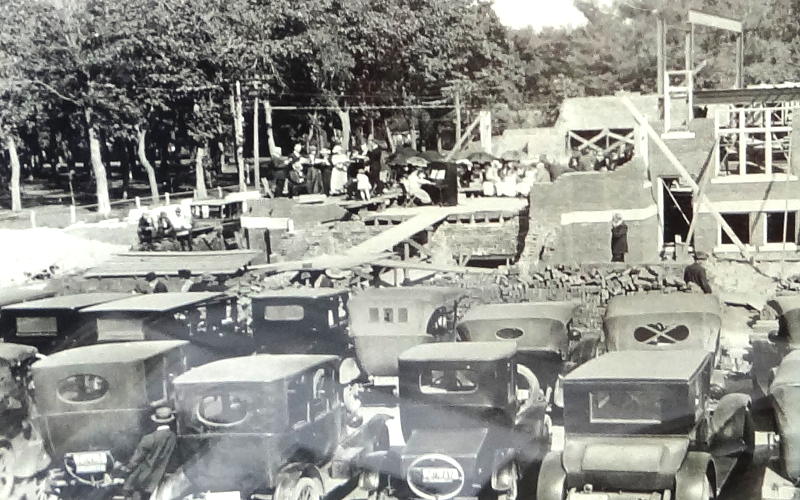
[623, 461]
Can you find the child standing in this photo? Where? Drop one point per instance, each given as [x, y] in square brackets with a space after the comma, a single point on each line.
[363, 185]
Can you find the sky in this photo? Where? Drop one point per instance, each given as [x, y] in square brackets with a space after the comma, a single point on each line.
[538, 13]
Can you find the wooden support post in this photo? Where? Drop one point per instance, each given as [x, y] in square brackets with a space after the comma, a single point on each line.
[458, 114]
[256, 147]
[138, 202]
[73, 215]
[406, 256]
[166, 198]
[740, 61]
[220, 194]
[684, 173]
[238, 134]
[33, 218]
[660, 54]
[706, 176]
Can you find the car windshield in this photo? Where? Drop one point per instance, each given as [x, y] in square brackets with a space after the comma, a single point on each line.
[625, 406]
[446, 381]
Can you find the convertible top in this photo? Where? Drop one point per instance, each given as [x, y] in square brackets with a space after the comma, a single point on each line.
[459, 351]
[262, 368]
[558, 311]
[301, 293]
[788, 372]
[154, 302]
[645, 366]
[428, 294]
[658, 303]
[14, 353]
[67, 302]
[785, 303]
[103, 354]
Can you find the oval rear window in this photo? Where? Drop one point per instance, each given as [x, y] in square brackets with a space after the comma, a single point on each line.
[509, 333]
[82, 388]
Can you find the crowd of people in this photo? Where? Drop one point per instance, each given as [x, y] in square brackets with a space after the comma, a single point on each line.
[590, 160]
[330, 171]
[176, 226]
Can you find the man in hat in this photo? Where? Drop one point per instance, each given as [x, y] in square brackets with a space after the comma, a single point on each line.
[154, 284]
[695, 274]
[188, 282]
[619, 238]
[152, 457]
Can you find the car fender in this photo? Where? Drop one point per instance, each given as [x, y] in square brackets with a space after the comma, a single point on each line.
[552, 477]
[291, 473]
[730, 407]
[689, 478]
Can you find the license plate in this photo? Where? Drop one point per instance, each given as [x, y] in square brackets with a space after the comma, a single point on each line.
[588, 496]
[223, 495]
[90, 462]
[439, 475]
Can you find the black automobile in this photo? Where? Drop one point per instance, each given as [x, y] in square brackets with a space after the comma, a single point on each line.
[474, 423]
[54, 323]
[301, 321]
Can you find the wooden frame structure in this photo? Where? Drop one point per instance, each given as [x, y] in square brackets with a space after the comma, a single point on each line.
[751, 138]
[605, 140]
[679, 84]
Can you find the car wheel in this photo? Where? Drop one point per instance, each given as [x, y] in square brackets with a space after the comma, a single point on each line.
[307, 488]
[6, 471]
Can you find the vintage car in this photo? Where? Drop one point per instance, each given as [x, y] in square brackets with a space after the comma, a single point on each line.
[386, 321]
[768, 349]
[301, 321]
[223, 216]
[208, 320]
[54, 323]
[542, 331]
[640, 424]
[474, 423]
[781, 479]
[16, 294]
[93, 404]
[22, 453]
[663, 322]
[267, 424]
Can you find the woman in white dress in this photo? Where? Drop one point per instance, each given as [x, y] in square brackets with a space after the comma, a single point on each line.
[339, 173]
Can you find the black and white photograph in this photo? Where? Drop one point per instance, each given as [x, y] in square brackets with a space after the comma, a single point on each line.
[399, 250]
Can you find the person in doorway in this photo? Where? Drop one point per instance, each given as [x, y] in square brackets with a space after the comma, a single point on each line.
[154, 284]
[695, 274]
[619, 238]
[153, 457]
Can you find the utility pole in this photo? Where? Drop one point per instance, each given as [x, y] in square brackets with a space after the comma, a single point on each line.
[256, 147]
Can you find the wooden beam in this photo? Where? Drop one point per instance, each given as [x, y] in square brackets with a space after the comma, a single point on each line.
[660, 54]
[424, 266]
[462, 139]
[684, 173]
[705, 176]
[712, 21]
[740, 61]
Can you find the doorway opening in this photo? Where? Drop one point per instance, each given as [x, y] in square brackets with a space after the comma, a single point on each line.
[677, 211]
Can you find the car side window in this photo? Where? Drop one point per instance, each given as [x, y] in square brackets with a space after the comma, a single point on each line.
[374, 315]
[402, 315]
[388, 315]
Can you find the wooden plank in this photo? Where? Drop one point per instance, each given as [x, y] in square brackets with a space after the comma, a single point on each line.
[169, 263]
[320, 263]
[712, 21]
[684, 173]
[705, 176]
[397, 234]
[442, 268]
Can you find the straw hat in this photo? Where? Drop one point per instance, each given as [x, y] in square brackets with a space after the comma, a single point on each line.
[163, 415]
